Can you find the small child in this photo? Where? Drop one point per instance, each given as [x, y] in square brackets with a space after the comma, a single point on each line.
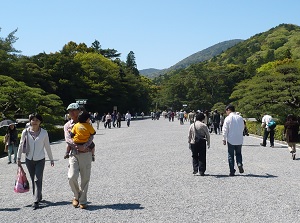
[81, 133]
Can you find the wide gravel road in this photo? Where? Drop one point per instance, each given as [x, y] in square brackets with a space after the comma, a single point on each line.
[144, 174]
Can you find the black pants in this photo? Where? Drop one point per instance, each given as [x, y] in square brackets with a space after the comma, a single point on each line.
[266, 134]
[199, 156]
[119, 123]
[216, 128]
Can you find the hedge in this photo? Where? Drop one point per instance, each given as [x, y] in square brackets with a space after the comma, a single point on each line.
[256, 129]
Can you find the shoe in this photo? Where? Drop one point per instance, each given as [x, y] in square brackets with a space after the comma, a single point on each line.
[66, 156]
[83, 206]
[241, 169]
[293, 156]
[35, 205]
[9, 162]
[195, 172]
[93, 158]
[262, 145]
[202, 174]
[231, 174]
[15, 161]
[75, 203]
[272, 146]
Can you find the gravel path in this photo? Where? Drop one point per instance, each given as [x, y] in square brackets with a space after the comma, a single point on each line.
[144, 174]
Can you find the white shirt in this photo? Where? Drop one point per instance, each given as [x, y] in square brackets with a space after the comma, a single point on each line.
[128, 116]
[233, 128]
[266, 119]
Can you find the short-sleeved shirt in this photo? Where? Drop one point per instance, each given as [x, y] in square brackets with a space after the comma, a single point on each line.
[82, 132]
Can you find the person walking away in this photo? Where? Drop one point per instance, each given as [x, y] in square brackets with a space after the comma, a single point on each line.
[119, 118]
[233, 136]
[98, 119]
[36, 140]
[81, 133]
[216, 122]
[221, 121]
[191, 116]
[197, 138]
[267, 130]
[128, 118]
[181, 116]
[80, 161]
[291, 129]
[11, 141]
[108, 120]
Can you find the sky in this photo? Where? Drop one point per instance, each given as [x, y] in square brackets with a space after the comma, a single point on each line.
[159, 32]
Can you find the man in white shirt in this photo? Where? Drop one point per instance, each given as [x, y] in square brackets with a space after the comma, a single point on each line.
[233, 128]
[265, 121]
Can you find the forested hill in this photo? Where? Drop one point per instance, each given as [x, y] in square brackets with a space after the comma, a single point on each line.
[200, 56]
[260, 74]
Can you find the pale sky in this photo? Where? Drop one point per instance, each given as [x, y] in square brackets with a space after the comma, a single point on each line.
[159, 32]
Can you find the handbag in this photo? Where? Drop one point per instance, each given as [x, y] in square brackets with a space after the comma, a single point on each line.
[21, 184]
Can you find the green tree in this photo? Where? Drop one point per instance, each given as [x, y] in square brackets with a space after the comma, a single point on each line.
[131, 64]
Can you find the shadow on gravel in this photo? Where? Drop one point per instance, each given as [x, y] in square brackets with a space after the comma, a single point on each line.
[10, 209]
[119, 206]
[248, 175]
[44, 204]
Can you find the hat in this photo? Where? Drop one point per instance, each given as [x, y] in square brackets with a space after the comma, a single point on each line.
[74, 106]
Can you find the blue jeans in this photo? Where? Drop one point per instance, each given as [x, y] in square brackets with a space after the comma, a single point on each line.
[12, 148]
[237, 149]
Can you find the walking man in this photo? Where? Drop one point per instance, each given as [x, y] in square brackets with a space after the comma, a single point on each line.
[233, 128]
[267, 130]
[80, 161]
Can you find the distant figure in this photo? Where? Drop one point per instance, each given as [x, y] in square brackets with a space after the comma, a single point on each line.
[12, 141]
[216, 122]
[233, 135]
[265, 122]
[128, 118]
[291, 129]
[142, 114]
[191, 117]
[119, 118]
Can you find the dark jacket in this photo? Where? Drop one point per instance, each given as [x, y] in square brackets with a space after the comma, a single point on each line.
[291, 129]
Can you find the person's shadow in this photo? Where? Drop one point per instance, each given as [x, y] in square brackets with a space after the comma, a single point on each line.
[245, 175]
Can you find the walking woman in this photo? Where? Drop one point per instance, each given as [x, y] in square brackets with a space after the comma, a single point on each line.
[35, 140]
[12, 142]
[291, 129]
[197, 138]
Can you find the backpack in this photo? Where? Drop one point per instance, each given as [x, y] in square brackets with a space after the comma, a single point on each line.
[272, 124]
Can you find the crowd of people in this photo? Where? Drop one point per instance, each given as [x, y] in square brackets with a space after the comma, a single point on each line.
[80, 148]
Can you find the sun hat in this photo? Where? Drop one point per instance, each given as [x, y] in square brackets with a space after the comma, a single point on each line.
[73, 106]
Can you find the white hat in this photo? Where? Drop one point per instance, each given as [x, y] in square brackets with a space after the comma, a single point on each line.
[74, 106]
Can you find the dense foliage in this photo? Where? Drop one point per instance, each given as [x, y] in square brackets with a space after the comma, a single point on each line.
[258, 75]
[47, 83]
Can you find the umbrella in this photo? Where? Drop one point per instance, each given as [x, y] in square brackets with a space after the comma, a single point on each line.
[6, 122]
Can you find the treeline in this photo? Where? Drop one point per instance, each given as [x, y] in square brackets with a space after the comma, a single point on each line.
[258, 75]
[46, 83]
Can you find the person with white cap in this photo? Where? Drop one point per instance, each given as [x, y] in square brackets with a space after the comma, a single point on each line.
[80, 160]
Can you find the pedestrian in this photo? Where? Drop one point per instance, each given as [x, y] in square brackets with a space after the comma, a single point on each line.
[108, 120]
[98, 119]
[119, 118]
[11, 140]
[267, 130]
[142, 114]
[233, 135]
[80, 161]
[198, 138]
[103, 120]
[191, 117]
[221, 121]
[128, 118]
[216, 121]
[81, 133]
[35, 140]
[291, 129]
[181, 117]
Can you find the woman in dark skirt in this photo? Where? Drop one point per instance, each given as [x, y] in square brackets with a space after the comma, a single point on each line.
[291, 129]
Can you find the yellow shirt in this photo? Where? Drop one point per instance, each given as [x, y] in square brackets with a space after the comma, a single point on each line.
[82, 132]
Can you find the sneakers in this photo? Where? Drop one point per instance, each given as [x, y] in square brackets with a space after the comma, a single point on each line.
[293, 156]
[202, 174]
[262, 145]
[9, 162]
[195, 172]
[231, 174]
[75, 203]
[241, 169]
[83, 206]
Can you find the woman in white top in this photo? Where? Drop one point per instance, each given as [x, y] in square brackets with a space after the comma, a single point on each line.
[34, 141]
